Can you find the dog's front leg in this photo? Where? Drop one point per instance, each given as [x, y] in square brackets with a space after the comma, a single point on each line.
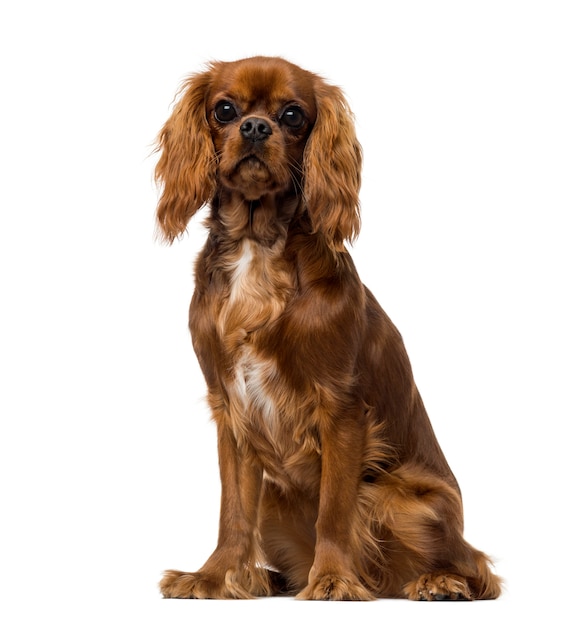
[333, 575]
[231, 571]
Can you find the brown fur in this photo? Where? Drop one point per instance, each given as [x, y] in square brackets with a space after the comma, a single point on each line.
[333, 483]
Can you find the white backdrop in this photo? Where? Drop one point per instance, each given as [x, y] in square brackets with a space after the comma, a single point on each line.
[473, 120]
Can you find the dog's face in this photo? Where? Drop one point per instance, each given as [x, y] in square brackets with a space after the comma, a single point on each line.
[260, 115]
[261, 129]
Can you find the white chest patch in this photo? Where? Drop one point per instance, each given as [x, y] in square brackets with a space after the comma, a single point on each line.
[241, 271]
[252, 383]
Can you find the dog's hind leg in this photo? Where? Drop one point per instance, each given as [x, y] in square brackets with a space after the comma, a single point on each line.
[423, 512]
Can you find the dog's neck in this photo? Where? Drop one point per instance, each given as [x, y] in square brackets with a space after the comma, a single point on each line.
[264, 220]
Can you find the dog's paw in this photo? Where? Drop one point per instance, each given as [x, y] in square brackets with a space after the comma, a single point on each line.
[335, 587]
[438, 587]
[201, 585]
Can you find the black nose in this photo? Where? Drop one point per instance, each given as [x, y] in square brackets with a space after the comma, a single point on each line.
[255, 129]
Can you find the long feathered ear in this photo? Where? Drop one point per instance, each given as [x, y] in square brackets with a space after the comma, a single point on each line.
[186, 168]
[332, 169]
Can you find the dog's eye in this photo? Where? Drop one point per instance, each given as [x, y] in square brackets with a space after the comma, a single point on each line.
[225, 111]
[292, 117]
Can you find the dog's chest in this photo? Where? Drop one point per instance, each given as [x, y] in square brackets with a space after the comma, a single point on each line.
[259, 285]
[263, 408]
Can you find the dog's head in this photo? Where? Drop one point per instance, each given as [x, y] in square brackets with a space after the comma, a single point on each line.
[257, 128]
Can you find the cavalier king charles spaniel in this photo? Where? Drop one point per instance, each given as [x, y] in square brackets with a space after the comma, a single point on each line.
[334, 486]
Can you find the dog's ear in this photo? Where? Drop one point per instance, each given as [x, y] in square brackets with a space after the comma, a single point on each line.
[186, 167]
[332, 168]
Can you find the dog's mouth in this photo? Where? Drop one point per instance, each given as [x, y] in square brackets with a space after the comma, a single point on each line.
[254, 168]
[253, 177]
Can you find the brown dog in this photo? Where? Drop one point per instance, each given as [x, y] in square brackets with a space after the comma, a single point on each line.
[333, 483]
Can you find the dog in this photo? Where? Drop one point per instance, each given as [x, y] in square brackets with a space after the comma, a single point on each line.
[334, 486]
